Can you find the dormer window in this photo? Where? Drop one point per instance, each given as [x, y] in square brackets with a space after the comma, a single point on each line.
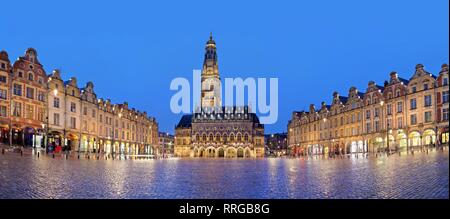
[414, 89]
[397, 93]
[31, 66]
[3, 65]
[425, 86]
[20, 74]
[30, 77]
[40, 80]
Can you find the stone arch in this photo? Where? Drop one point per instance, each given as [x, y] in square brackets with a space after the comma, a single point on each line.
[246, 139]
[240, 152]
[204, 137]
[210, 152]
[224, 137]
[247, 152]
[218, 139]
[239, 137]
[402, 140]
[210, 137]
[195, 152]
[232, 137]
[429, 137]
[231, 152]
[197, 137]
[414, 138]
[201, 152]
[220, 152]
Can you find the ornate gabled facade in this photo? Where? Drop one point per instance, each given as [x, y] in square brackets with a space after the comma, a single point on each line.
[216, 131]
[5, 97]
[28, 106]
[399, 116]
[46, 110]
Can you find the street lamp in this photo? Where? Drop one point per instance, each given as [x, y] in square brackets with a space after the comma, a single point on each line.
[324, 128]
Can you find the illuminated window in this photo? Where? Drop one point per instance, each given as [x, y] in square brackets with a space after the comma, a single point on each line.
[29, 111]
[445, 137]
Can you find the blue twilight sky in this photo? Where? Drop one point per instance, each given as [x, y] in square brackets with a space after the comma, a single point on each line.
[132, 50]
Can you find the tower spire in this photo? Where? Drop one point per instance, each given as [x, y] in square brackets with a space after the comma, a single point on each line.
[211, 85]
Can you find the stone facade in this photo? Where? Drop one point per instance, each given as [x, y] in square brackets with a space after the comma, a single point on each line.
[401, 115]
[23, 99]
[214, 130]
[45, 109]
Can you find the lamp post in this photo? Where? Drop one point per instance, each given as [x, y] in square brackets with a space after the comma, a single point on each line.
[45, 137]
[324, 127]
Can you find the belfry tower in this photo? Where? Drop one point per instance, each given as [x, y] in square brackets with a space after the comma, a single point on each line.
[211, 91]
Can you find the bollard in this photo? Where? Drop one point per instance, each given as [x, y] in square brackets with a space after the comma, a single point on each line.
[89, 157]
[78, 156]
[3, 151]
[21, 153]
[53, 155]
[38, 154]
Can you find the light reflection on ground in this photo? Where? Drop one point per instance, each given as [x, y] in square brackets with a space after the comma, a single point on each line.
[408, 176]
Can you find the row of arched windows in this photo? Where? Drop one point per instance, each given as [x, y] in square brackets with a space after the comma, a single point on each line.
[222, 138]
